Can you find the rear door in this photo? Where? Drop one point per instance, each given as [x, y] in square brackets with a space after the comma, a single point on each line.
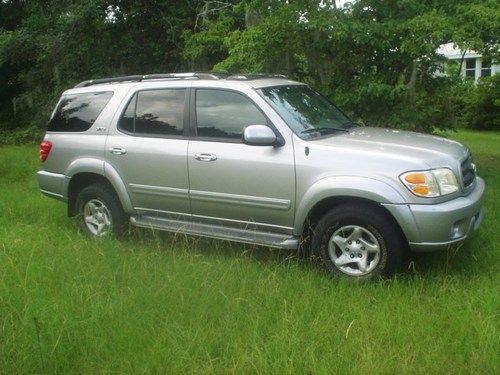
[148, 149]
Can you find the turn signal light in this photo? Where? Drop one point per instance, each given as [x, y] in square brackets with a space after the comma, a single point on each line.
[415, 178]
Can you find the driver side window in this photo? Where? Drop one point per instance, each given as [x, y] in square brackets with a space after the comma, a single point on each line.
[224, 114]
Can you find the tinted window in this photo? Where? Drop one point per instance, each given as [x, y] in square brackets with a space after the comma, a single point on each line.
[224, 114]
[160, 112]
[155, 112]
[77, 113]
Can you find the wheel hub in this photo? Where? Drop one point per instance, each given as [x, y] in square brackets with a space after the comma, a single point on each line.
[354, 250]
[97, 217]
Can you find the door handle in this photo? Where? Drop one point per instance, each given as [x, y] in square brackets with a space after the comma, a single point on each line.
[117, 151]
[205, 157]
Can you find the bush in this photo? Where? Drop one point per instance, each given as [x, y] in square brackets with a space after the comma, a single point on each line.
[20, 136]
[484, 110]
[462, 96]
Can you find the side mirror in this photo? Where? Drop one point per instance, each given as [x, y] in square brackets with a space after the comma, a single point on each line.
[259, 135]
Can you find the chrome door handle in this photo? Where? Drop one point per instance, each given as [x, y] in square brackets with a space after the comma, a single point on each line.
[205, 157]
[117, 151]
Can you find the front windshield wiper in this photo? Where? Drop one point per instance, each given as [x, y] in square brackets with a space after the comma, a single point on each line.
[349, 125]
[324, 129]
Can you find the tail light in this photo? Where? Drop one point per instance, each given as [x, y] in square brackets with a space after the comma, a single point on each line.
[45, 148]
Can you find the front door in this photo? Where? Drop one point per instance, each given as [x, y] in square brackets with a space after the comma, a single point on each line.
[229, 180]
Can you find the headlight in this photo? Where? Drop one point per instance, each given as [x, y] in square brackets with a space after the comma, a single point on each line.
[432, 183]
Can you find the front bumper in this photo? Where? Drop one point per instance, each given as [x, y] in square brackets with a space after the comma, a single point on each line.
[437, 226]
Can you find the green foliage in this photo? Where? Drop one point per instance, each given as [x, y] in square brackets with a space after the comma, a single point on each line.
[477, 27]
[20, 136]
[477, 106]
[207, 45]
[483, 105]
[52, 45]
[376, 59]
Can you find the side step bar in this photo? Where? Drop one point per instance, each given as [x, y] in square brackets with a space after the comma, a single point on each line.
[282, 241]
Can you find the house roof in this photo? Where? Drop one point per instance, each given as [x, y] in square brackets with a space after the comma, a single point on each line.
[452, 52]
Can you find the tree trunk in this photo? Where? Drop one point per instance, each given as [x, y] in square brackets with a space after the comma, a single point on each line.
[461, 63]
[413, 81]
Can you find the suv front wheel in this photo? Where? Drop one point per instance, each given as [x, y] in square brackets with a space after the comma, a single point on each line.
[357, 241]
[100, 212]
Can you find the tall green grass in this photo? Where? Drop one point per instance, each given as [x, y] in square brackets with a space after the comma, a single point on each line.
[169, 303]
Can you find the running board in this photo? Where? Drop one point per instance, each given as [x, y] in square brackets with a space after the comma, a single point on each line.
[254, 237]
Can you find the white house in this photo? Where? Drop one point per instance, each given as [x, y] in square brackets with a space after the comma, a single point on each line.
[473, 65]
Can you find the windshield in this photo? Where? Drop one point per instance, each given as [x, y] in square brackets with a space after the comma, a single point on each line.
[306, 112]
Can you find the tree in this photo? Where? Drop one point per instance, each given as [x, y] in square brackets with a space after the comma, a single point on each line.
[376, 58]
[48, 46]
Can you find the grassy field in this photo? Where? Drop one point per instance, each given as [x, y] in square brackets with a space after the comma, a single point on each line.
[165, 303]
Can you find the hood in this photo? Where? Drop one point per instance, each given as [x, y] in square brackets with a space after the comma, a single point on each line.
[429, 149]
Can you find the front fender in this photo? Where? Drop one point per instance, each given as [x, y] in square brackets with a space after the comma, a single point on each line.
[344, 186]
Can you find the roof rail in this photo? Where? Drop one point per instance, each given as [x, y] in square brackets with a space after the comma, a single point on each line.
[253, 76]
[140, 78]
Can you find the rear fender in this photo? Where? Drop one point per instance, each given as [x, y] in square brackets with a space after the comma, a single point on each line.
[100, 167]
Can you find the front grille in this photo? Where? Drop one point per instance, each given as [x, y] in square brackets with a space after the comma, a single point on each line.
[468, 171]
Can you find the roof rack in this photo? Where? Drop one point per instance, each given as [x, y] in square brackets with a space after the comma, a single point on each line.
[147, 77]
[140, 78]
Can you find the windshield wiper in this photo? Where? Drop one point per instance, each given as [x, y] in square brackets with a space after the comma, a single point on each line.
[325, 129]
[349, 125]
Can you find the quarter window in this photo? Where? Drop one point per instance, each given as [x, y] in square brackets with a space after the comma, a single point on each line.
[155, 112]
[78, 112]
[224, 114]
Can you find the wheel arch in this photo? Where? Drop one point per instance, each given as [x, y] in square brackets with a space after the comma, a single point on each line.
[331, 192]
[111, 179]
[80, 181]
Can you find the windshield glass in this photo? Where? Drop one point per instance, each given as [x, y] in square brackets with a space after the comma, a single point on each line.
[306, 112]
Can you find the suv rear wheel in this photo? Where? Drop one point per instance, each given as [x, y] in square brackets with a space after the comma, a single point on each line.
[357, 241]
[100, 212]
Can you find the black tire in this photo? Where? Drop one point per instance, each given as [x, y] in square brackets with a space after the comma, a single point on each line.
[359, 257]
[105, 200]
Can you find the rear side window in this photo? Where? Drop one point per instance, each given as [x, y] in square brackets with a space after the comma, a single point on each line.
[78, 112]
[224, 114]
[155, 112]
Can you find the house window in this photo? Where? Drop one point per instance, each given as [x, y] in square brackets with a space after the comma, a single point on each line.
[485, 69]
[470, 68]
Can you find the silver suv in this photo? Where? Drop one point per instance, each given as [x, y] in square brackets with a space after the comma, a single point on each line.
[256, 159]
